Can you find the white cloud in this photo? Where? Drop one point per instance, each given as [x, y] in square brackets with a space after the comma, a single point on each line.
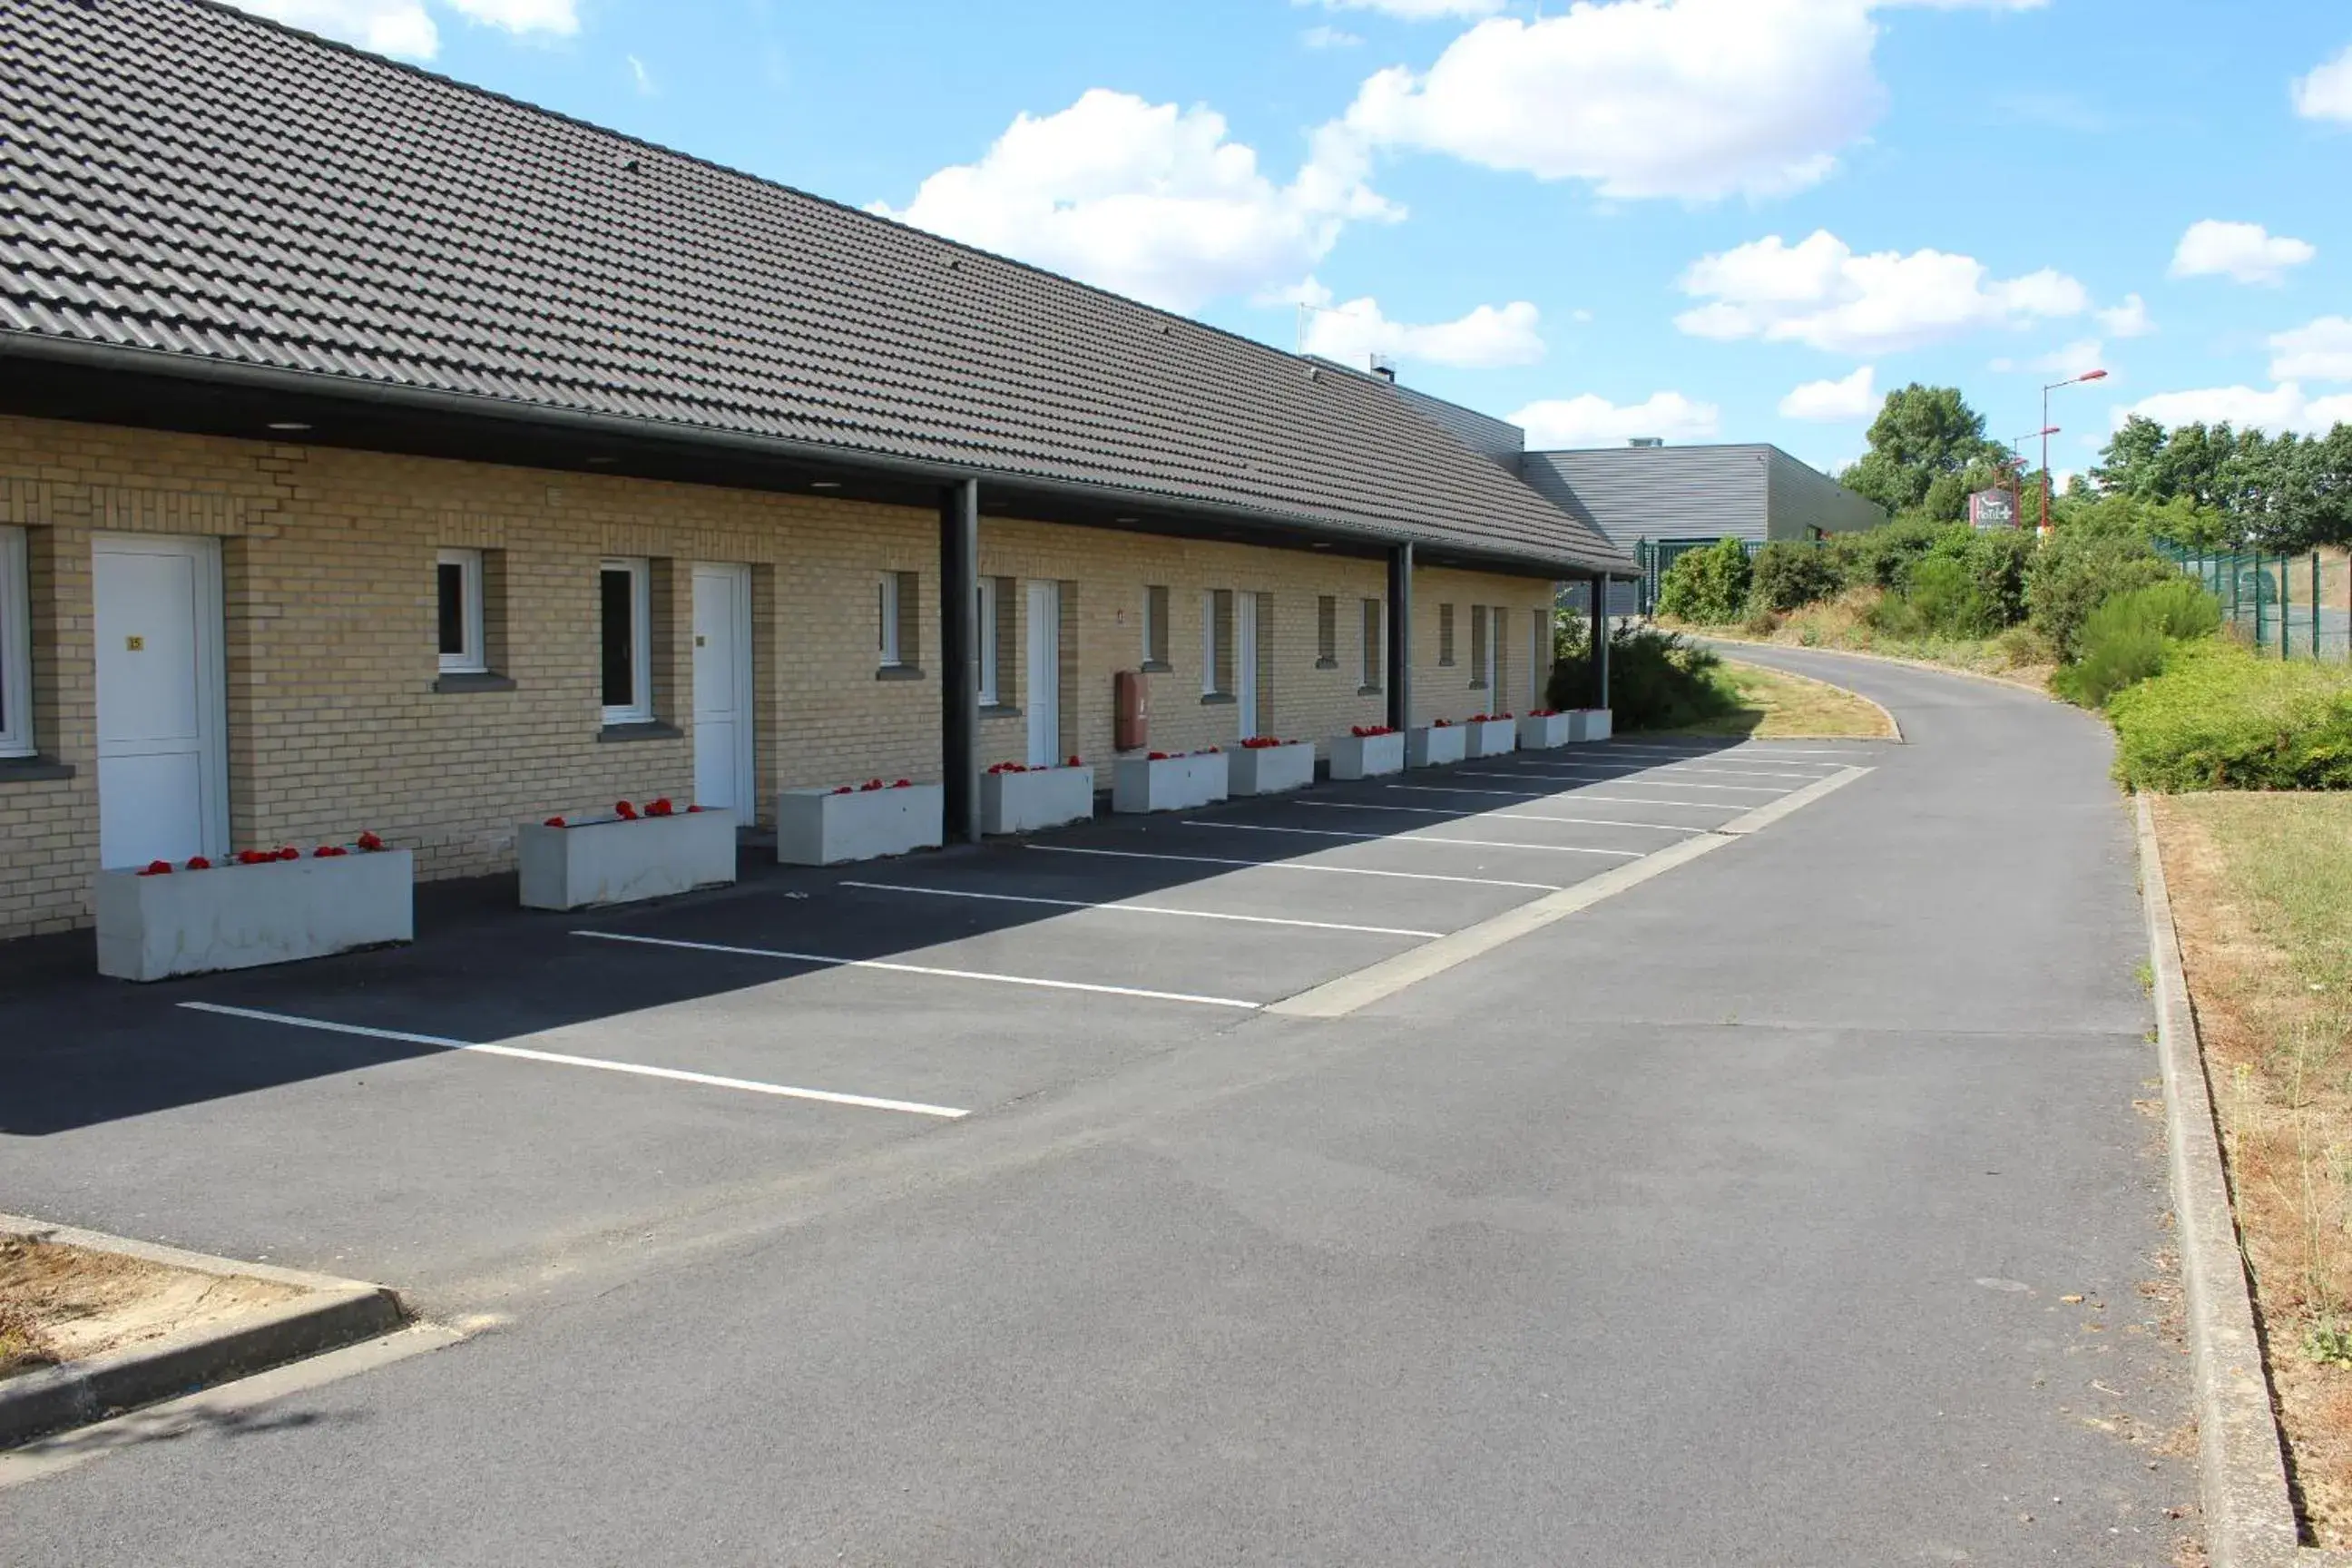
[1820, 293]
[641, 77]
[1418, 10]
[2128, 320]
[1147, 199]
[404, 27]
[2327, 92]
[2246, 252]
[1691, 98]
[1589, 420]
[1325, 38]
[2320, 350]
[1487, 337]
[387, 26]
[2071, 360]
[2280, 409]
[559, 16]
[1853, 397]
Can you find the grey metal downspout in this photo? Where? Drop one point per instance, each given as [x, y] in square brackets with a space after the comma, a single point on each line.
[1400, 670]
[1600, 640]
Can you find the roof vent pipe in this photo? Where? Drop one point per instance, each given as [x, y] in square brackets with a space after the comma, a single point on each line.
[1384, 370]
[1647, 441]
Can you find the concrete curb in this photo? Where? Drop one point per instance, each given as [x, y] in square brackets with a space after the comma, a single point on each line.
[332, 1313]
[2043, 692]
[2241, 1467]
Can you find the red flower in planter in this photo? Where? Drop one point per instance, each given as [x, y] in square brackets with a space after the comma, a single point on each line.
[288, 852]
[329, 852]
[1073, 763]
[691, 810]
[661, 807]
[370, 842]
[1213, 752]
[552, 822]
[844, 789]
[198, 863]
[254, 858]
[1157, 757]
[625, 811]
[871, 784]
[157, 868]
[904, 784]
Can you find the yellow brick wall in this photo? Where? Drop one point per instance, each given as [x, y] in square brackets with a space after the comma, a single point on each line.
[328, 586]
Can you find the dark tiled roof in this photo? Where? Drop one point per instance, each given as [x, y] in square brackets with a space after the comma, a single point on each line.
[179, 177]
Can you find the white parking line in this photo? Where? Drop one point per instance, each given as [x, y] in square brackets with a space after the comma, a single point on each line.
[829, 962]
[1630, 768]
[1420, 838]
[560, 1059]
[1292, 866]
[1465, 813]
[1646, 783]
[1136, 909]
[1729, 751]
[1557, 794]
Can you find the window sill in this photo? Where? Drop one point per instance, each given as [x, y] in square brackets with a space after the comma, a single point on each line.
[33, 770]
[472, 680]
[1217, 700]
[898, 672]
[1158, 667]
[999, 711]
[1369, 690]
[1327, 664]
[646, 729]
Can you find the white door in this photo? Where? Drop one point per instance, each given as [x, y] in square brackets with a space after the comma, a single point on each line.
[162, 773]
[1245, 662]
[722, 689]
[1045, 674]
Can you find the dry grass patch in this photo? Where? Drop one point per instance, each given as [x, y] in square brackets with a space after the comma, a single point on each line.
[1843, 625]
[1775, 705]
[2262, 888]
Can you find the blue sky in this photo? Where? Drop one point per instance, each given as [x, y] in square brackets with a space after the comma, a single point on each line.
[1701, 219]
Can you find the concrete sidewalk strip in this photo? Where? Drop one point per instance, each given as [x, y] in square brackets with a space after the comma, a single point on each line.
[1415, 838]
[1472, 814]
[1291, 865]
[330, 1313]
[893, 967]
[1120, 908]
[598, 1064]
[1351, 992]
[2241, 1465]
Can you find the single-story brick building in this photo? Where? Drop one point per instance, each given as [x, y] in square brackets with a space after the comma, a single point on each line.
[376, 452]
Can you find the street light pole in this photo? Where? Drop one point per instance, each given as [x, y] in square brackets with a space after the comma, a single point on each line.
[2047, 432]
[2017, 466]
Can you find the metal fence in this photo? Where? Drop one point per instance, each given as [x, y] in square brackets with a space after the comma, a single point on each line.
[2297, 606]
[1654, 556]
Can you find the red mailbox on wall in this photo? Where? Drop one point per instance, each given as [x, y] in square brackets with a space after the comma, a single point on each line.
[1130, 711]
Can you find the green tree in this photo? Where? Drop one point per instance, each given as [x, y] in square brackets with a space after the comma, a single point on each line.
[1923, 434]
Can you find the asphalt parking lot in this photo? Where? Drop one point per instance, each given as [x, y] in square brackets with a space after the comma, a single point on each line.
[516, 1085]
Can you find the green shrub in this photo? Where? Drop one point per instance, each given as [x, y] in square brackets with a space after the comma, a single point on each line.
[2124, 641]
[1708, 586]
[1656, 680]
[1996, 560]
[2221, 718]
[1943, 600]
[1882, 557]
[2074, 573]
[1789, 576]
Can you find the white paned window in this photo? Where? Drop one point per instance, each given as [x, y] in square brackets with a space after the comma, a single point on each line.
[16, 649]
[628, 664]
[459, 581]
[986, 611]
[1155, 626]
[1375, 645]
[887, 652]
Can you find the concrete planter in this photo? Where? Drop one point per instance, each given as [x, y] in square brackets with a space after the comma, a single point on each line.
[1169, 784]
[615, 862]
[1042, 798]
[1591, 723]
[1491, 739]
[1367, 756]
[241, 917]
[821, 828]
[1270, 770]
[1541, 732]
[1432, 747]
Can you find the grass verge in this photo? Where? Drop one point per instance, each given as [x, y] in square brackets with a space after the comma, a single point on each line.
[1843, 625]
[1770, 704]
[2262, 888]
